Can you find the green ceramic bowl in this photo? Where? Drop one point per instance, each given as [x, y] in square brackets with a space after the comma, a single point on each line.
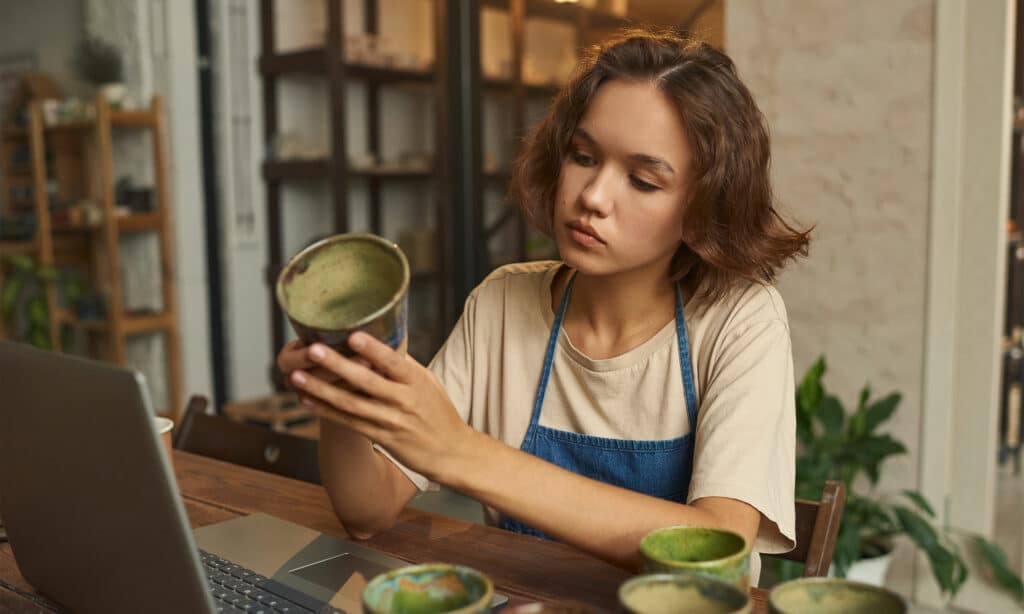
[833, 596]
[716, 553]
[429, 589]
[346, 283]
[681, 593]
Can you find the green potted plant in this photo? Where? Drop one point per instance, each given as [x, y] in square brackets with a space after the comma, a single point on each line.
[23, 300]
[99, 63]
[23, 303]
[834, 444]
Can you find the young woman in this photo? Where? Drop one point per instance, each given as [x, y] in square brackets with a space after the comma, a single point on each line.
[646, 379]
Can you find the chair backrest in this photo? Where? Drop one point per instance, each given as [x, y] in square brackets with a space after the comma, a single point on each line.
[244, 444]
[817, 525]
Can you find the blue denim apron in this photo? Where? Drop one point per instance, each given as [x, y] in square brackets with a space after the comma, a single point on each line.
[660, 468]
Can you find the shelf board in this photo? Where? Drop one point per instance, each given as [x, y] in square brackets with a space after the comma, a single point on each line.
[497, 176]
[139, 222]
[135, 324]
[319, 168]
[391, 173]
[295, 169]
[17, 247]
[138, 117]
[501, 85]
[314, 62]
[305, 61]
[66, 316]
[566, 11]
[380, 74]
[12, 134]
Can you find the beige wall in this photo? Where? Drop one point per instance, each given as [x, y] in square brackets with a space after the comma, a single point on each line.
[847, 91]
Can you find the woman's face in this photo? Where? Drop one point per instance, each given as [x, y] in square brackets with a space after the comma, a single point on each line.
[622, 188]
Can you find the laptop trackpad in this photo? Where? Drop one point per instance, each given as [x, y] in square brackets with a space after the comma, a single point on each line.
[333, 573]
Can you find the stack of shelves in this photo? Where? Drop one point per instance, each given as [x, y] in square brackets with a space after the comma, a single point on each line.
[329, 62]
[83, 161]
[524, 97]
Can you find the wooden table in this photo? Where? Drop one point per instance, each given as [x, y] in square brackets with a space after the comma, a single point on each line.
[524, 568]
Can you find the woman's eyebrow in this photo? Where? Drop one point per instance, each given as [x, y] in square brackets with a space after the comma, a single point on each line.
[645, 159]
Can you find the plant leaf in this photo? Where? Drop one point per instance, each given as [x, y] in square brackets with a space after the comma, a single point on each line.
[809, 393]
[832, 415]
[40, 338]
[865, 394]
[995, 558]
[38, 313]
[9, 298]
[21, 262]
[880, 411]
[949, 569]
[920, 502]
[47, 273]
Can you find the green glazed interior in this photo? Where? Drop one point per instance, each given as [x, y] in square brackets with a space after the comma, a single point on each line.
[692, 545]
[342, 284]
[681, 594]
[833, 596]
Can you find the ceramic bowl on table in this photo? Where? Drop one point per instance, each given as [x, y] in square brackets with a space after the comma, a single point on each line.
[715, 553]
[681, 593]
[833, 596]
[433, 588]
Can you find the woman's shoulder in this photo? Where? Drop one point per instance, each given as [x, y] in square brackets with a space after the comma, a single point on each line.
[518, 278]
[748, 303]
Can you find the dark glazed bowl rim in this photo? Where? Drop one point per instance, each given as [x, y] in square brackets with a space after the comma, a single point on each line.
[345, 238]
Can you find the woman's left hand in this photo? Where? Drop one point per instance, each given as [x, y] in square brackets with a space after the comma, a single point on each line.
[395, 402]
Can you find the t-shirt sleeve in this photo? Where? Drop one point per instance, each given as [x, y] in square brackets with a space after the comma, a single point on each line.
[452, 366]
[746, 430]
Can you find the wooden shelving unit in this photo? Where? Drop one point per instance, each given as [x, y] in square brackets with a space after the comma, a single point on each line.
[585, 21]
[329, 61]
[88, 143]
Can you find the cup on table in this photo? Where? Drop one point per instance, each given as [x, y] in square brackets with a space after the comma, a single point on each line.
[681, 593]
[345, 283]
[432, 588]
[833, 596]
[164, 427]
[716, 553]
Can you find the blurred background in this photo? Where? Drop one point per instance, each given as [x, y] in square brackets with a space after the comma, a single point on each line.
[161, 160]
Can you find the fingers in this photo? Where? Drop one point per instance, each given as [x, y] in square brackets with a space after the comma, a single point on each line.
[381, 356]
[293, 356]
[342, 400]
[355, 373]
[324, 411]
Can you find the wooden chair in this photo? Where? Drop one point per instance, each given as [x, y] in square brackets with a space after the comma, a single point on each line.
[244, 444]
[817, 525]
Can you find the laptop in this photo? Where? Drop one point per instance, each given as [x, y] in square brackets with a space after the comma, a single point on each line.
[96, 522]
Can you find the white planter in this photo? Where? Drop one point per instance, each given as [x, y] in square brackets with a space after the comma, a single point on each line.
[869, 571]
[114, 93]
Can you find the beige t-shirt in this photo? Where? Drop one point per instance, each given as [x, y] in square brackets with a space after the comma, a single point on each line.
[743, 374]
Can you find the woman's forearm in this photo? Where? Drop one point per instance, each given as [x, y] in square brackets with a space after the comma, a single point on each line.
[601, 519]
[366, 489]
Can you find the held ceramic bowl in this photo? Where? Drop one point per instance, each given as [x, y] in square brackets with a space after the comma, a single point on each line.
[833, 596]
[346, 283]
[681, 593]
[716, 553]
[432, 588]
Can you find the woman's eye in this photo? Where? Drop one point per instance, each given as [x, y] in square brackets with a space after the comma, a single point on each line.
[581, 158]
[642, 185]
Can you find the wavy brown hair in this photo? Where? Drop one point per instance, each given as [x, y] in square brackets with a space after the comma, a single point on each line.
[731, 228]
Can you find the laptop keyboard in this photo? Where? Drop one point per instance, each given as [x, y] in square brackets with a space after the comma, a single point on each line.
[237, 589]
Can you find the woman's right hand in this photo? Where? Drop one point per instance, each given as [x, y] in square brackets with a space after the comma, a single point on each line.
[294, 355]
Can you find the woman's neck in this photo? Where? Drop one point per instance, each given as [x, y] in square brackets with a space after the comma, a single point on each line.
[609, 315]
